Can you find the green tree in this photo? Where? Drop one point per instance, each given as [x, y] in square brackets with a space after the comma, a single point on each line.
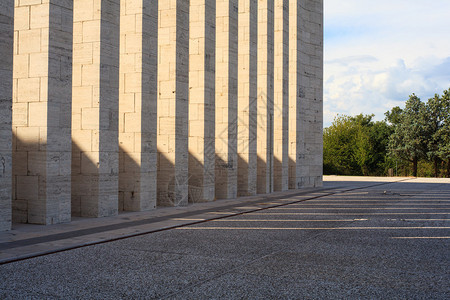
[355, 146]
[338, 140]
[439, 144]
[394, 116]
[380, 133]
[417, 135]
[434, 121]
[363, 148]
[409, 139]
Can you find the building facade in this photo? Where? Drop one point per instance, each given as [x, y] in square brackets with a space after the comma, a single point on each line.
[127, 105]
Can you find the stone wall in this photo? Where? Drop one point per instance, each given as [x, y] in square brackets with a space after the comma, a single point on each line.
[126, 105]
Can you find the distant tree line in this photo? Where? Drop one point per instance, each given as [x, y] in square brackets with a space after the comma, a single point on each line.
[413, 141]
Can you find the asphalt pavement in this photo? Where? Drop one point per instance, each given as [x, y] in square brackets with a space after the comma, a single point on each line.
[355, 238]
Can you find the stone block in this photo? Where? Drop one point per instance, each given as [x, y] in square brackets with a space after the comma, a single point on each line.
[22, 18]
[29, 41]
[28, 89]
[21, 63]
[39, 15]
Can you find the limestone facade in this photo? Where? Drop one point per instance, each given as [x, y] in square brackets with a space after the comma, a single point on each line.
[126, 105]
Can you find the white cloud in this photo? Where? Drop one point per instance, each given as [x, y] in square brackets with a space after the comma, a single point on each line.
[379, 52]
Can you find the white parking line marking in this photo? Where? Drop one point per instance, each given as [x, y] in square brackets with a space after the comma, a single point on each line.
[253, 220]
[346, 214]
[381, 208]
[421, 237]
[308, 228]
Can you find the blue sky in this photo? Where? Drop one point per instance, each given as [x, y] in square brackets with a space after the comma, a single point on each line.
[379, 52]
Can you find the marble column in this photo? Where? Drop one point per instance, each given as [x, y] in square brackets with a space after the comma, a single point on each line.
[226, 98]
[247, 96]
[41, 111]
[95, 104]
[6, 83]
[305, 93]
[281, 96]
[202, 40]
[265, 84]
[173, 105]
[137, 104]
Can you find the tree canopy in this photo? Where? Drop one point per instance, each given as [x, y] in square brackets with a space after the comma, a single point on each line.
[417, 133]
[355, 145]
[410, 136]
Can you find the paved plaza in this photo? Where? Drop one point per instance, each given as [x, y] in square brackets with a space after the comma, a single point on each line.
[357, 237]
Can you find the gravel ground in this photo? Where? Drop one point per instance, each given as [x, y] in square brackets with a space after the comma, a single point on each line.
[388, 241]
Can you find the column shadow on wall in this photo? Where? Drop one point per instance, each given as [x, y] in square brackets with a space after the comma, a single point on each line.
[171, 189]
[201, 179]
[137, 181]
[225, 178]
[277, 171]
[40, 180]
[130, 185]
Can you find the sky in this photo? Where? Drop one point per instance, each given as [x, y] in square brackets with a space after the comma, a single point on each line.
[378, 52]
